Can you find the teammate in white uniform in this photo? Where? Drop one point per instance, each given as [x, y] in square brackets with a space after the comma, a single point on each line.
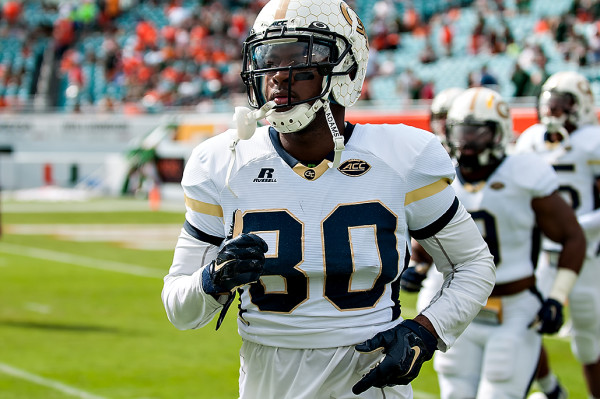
[568, 137]
[439, 112]
[421, 277]
[322, 226]
[509, 197]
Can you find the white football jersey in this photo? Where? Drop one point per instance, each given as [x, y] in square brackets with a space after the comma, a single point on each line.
[501, 208]
[338, 238]
[577, 164]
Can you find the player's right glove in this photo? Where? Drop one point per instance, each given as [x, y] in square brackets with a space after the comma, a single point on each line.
[240, 261]
[406, 346]
[411, 279]
[550, 317]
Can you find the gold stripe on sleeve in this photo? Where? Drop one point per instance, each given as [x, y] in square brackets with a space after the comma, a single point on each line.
[594, 162]
[203, 207]
[426, 191]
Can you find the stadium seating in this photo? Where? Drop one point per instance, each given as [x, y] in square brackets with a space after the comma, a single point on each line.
[30, 71]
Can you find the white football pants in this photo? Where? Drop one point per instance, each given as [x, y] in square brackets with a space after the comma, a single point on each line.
[268, 372]
[493, 361]
[584, 304]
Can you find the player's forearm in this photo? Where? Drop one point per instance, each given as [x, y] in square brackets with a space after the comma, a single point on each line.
[425, 322]
[460, 300]
[185, 302]
[187, 306]
[570, 261]
[572, 254]
[470, 276]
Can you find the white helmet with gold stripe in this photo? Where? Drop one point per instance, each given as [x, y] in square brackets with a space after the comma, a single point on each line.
[335, 45]
[580, 107]
[439, 110]
[479, 127]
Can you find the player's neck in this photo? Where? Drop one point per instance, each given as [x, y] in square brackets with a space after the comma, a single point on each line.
[474, 175]
[313, 143]
[307, 145]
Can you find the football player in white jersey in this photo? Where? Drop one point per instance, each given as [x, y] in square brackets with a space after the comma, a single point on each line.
[420, 277]
[510, 198]
[568, 137]
[439, 111]
[313, 233]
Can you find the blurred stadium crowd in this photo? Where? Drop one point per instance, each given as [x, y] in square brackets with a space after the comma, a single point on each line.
[142, 56]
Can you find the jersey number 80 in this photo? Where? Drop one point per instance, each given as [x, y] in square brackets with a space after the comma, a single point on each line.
[339, 265]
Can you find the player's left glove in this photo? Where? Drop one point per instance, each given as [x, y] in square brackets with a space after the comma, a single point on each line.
[240, 261]
[406, 346]
[412, 278]
[550, 317]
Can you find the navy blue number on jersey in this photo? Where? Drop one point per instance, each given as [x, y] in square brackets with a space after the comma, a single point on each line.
[285, 264]
[339, 263]
[338, 256]
[490, 234]
[570, 194]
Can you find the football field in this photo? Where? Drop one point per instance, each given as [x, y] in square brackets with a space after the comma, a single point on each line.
[81, 314]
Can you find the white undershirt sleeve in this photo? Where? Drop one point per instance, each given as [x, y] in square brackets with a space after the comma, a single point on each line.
[461, 254]
[185, 302]
[590, 223]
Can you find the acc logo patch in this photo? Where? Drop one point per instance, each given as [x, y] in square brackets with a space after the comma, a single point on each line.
[497, 185]
[354, 167]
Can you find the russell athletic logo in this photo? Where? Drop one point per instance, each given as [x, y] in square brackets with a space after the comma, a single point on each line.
[265, 176]
[354, 167]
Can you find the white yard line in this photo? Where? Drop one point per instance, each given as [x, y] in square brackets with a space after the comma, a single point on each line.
[69, 390]
[47, 382]
[118, 267]
[157, 237]
[104, 205]
[78, 260]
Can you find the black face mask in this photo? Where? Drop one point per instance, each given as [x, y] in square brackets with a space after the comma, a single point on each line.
[470, 162]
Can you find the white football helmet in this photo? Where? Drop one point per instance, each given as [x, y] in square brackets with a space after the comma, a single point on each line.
[481, 119]
[581, 112]
[439, 110]
[334, 43]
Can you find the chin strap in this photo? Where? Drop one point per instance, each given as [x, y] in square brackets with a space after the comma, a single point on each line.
[338, 138]
[297, 118]
[302, 115]
[245, 121]
[556, 125]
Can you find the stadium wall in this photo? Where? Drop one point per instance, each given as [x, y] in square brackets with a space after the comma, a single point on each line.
[522, 117]
[91, 151]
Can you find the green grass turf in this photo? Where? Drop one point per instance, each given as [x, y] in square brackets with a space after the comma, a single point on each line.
[64, 327]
